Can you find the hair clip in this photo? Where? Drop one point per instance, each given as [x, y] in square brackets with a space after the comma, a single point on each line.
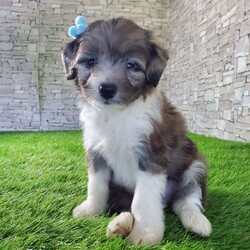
[79, 28]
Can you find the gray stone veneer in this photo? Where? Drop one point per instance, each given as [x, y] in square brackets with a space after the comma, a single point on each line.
[207, 77]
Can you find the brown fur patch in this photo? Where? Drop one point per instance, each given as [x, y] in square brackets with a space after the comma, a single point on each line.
[170, 147]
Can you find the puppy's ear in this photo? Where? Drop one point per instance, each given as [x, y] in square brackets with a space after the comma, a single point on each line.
[157, 63]
[68, 54]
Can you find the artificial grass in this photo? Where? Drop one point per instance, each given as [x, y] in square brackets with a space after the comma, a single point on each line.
[43, 177]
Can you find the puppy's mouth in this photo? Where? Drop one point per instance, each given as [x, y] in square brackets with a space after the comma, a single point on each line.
[100, 103]
[112, 101]
[107, 102]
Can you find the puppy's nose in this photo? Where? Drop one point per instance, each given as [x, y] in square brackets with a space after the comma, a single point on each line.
[107, 90]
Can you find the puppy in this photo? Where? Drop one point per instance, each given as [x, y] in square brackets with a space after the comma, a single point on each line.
[140, 158]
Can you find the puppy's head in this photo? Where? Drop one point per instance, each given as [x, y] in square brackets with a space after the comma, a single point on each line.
[114, 62]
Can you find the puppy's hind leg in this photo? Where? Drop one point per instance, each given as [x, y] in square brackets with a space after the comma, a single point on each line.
[189, 210]
[188, 205]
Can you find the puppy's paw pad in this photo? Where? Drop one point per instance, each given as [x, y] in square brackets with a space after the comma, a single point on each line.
[145, 236]
[121, 225]
[196, 222]
[85, 209]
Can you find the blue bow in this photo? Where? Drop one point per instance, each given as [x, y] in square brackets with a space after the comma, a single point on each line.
[79, 28]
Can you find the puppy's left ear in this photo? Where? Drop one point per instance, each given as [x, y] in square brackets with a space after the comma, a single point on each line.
[68, 54]
[157, 63]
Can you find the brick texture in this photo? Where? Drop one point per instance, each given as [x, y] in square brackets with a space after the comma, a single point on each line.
[207, 77]
[209, 69]
[33, 92]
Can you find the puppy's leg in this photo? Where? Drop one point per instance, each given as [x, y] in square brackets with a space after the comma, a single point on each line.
[188, 203]
[96, 202]
[98, 188]
[147, 209]
[121, 225]
[189, 209]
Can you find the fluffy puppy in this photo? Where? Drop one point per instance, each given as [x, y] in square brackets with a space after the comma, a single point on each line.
[140, 159]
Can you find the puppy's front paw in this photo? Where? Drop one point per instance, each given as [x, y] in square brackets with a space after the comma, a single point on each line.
[142, 235]
[121, 225]
[86, 209]
[196, 222]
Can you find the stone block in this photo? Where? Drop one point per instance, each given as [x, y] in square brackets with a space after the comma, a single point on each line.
[229, 14]
[225, 105]
[209, 95]
[238, 95]
[5, 46]
[242, 47]
[211, 107]
[245, 111]
[227, 115]
[246, 101]
[228, 79]
[229, 67]
[221, 124]
[226, 23]
[241, 64]
[246, 92]
[245, 135]
[245, 27]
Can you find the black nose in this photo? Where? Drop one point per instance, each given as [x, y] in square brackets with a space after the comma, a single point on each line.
[107, 90]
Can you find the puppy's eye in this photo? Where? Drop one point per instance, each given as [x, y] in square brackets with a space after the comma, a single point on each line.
[133, 66]
[91, 62]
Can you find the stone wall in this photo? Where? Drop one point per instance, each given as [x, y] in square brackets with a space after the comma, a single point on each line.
[208, 74]
[19, 85]
[209, 67]
[33, 92]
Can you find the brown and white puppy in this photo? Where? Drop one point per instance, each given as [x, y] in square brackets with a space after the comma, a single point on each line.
[140, 159]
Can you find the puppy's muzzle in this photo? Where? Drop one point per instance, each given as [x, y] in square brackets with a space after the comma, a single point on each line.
[107, 90]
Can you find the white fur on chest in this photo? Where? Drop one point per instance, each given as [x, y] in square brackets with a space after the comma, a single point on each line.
[117, 134]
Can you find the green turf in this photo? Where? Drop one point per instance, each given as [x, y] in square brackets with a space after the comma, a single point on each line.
[43, 177]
